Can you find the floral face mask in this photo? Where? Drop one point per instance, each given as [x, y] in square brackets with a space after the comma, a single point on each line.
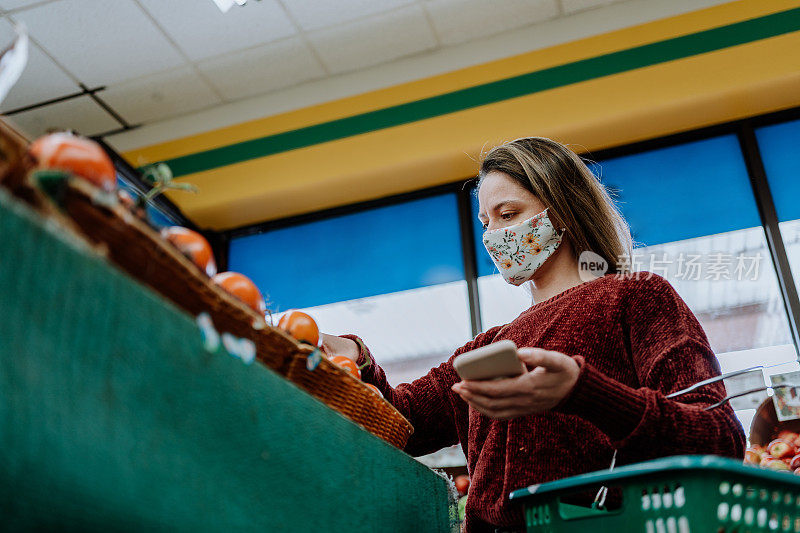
[519, 250]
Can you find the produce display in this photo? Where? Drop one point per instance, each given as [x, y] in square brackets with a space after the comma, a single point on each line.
[782, 454]
[304, 328]
[72, 181]
[117, 415]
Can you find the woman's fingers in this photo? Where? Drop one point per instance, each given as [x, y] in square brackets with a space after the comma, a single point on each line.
[496, 407]
[548, 359]
[523, 385]
[491, 402]
[500, 388]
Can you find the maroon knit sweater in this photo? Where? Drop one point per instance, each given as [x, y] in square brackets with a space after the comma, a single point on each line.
[635, 341]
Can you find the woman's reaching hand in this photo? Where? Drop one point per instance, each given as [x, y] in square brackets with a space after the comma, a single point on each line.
[333, 346]
[551, 379]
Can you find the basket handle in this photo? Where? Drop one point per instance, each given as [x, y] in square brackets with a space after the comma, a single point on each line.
[606, 477]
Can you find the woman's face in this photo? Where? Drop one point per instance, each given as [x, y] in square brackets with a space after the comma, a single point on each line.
[504, 202]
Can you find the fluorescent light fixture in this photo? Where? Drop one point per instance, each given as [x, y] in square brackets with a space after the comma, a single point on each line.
[225, 5]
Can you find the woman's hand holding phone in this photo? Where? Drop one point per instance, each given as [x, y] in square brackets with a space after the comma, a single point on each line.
[553, 376]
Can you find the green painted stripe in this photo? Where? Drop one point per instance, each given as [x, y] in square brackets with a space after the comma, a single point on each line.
[525, 84]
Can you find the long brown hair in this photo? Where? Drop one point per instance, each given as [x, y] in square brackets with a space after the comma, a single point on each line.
[575, 197]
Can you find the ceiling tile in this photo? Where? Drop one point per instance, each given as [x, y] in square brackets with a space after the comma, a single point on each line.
[101, 43]
[262, 69]
[81, 114]
[314, 14]
[571, 6]
[203, 31]
[374, 40]
[160, 96]
[41, 80]
[458, 21]
[16, 4]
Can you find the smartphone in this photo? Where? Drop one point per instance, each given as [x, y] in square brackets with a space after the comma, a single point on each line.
[495, 361]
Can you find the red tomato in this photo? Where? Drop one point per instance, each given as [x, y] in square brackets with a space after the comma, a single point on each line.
[462, 484]
[78, 155]
[240, 286]
[192, 245]
[347, 364]
[300, 326]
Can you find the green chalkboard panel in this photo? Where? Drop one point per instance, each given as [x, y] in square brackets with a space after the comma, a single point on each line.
[114, 417]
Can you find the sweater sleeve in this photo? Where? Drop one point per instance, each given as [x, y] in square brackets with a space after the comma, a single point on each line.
[670, 351]
[427, 402]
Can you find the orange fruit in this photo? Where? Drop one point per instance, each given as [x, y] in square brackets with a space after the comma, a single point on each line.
[300, 326]
[375, 389]
[78, 155]
[243, 288]
[347, 364]
[192, 245]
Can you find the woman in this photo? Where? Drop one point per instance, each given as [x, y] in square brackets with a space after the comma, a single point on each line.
[602, 354]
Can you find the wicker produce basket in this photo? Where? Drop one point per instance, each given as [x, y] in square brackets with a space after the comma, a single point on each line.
[341, 391]
[141, 252]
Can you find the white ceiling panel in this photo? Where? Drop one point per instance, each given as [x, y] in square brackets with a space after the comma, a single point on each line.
[262, 69]
[81, 114]
[317, 14]
[458, 21]
[571, 6]
[16, 4]
[374, 40]
[203, 31]
[41, 80]
[101, 43]
[160, 96]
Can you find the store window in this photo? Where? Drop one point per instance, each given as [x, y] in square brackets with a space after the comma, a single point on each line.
[692, 213]
[778, 145]
[392, 275]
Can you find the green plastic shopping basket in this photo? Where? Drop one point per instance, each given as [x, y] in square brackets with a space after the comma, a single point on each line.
[683, 494]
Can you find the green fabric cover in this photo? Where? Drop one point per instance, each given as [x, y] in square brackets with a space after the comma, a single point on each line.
[114, 417]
